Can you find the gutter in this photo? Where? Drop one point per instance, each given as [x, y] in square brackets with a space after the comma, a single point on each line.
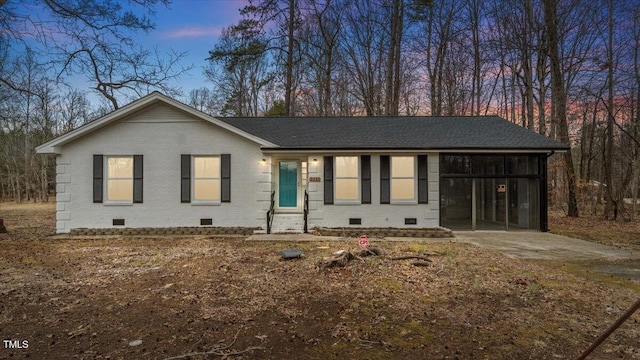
[267, 150]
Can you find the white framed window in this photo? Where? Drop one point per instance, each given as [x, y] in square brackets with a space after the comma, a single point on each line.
[403, 179]
[119, 179]
[206, 179]
[347, 179]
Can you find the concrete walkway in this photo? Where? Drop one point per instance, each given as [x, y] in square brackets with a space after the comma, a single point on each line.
[538, 245]
[292, 237]
[513, 244]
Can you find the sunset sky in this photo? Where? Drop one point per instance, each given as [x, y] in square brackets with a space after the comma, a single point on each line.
[193, 26]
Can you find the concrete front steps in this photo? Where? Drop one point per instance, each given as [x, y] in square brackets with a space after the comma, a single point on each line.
[284, 223]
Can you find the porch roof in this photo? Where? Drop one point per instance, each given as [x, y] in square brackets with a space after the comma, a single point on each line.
[425, 133]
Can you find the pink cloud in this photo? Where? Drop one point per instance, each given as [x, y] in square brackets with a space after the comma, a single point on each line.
[193, 32]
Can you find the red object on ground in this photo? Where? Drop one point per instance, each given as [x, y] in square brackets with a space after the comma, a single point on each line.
[364, 242]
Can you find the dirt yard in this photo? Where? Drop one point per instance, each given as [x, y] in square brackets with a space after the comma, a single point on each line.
[164, 297]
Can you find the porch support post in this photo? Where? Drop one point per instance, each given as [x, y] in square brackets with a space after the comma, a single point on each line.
[542, 170]
[474, 212]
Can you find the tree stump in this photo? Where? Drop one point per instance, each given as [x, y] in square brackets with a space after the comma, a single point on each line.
[339, 258]
[371, 251]
[3, 230]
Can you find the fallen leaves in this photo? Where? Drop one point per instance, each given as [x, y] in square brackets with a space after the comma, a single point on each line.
[184, 296]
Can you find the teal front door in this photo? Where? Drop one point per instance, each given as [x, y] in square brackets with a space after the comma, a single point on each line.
[288, 184]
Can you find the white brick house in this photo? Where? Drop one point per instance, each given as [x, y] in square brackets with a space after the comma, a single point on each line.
[160, 163]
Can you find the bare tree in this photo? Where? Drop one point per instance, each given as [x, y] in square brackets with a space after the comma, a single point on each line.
[92, 39]
[203, 99]
[559, 98]
[363, 42]
[394, 58]
[239, 70]
[319, 42]
[75, 110]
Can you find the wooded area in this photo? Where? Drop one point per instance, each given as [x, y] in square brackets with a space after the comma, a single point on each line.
[567, 69]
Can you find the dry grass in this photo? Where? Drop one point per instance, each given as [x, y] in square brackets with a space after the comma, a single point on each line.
[89, 298]
[621, 234]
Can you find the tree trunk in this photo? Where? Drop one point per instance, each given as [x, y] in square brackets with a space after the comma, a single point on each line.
[391, 59]
[395, 108]
[559, 101]
[474, 17]
[542, 94]
[289, 66]
[527, 63]
[611, 207]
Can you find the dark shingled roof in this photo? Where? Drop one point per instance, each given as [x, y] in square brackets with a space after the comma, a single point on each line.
[430, 133]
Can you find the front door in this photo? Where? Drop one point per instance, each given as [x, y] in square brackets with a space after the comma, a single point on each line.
[288, 184]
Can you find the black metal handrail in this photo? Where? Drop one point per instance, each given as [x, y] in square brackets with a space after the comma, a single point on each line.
[270, 213]
[306, 209]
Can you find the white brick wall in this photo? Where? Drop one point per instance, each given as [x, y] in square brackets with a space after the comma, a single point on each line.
[263, 187]
[161, 134]
[161, 143]
[63, 195]
[374, 214]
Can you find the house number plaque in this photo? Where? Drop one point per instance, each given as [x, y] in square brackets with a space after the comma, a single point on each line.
[314, 178]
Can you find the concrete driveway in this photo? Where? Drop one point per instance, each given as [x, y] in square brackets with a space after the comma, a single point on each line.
[514, 244]
[539, 245]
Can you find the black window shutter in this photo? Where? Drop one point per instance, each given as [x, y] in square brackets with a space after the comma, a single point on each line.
[225, 174]
[185, 178]
[365, 178]
[328, 180]
[423, 185]
[385, 174]
[98, 182]
[137, 178]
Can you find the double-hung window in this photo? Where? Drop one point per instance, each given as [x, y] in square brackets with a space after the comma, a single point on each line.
[403, 179]
[119, 179]
[347, 183]
[206, 179]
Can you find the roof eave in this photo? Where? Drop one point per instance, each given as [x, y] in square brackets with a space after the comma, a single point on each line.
[267, 150]
[48, 149]
[54, 146]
